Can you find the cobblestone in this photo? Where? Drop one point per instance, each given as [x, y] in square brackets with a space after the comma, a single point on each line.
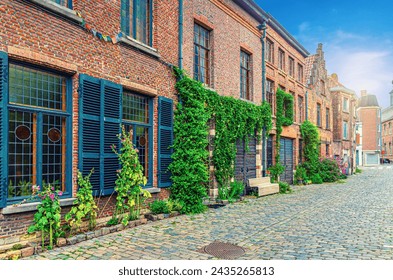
[351, 220]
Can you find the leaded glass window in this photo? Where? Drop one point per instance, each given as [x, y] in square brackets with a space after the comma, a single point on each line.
[137, 120]
[37, 129]
[201, 54]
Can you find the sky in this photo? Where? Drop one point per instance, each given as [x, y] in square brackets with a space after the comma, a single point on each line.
[357, 38]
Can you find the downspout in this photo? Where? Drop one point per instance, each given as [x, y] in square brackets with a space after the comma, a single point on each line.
[180, 34]
[306, 105]
[262, 27]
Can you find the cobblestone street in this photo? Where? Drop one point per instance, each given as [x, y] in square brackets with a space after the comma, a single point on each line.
[351, 220]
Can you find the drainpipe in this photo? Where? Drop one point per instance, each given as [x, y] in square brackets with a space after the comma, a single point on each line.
[306, 105]
[262, 27]
[180, 34]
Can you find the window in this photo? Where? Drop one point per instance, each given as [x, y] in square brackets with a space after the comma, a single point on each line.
[39, 128]
[319, 121]
[327, 148]
[300, 108]
[294, 103]
[281, 59]
[345, 104]
[269, 51]
[345, 130]
[201, 54]
[269, 93]
[245, 76]
[300, 73]
[65, 3]
[137, 119]
[322, 87]
[291, 67]
[327, 118]
[136, 20]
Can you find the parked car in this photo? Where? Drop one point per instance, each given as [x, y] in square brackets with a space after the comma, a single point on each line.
[385, 160]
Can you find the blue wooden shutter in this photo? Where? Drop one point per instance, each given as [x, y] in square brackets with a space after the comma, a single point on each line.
[99, 124]
[89, 129]
[125, 16]
[112, 121]
[3, 127]
[165, 140]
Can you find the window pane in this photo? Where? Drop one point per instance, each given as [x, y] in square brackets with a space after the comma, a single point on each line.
[201, 54]
[135, 107]
[36, 88]
[61, 2]
[244, 75]
[53, 151]
[21, 153]
[142, 21]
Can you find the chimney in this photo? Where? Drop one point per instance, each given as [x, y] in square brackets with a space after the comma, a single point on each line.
[363, 93]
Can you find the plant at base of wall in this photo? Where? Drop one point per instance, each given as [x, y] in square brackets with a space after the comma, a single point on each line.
[300, 175]
[47, 218]
[284, 187]
[130, 179]
[275, 171]
[84, 205]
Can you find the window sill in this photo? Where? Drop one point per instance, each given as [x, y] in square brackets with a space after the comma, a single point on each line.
[140, 46]
[58, 9]
[153, 190]
[29, 207]
[247, 100]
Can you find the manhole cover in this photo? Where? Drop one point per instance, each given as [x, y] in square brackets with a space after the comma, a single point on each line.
[223, 250]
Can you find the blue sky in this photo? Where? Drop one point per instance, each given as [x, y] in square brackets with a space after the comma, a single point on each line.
[357, 38]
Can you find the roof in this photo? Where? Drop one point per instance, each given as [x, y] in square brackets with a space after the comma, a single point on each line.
[261, 16]
[369, 100]
[343, 89]
[309, 65]
[387, 114]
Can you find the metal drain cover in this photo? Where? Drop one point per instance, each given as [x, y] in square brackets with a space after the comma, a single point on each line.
[223, 250]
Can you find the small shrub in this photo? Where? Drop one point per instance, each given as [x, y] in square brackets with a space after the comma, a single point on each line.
[113, 221]
[174, 205]
[358, 170]
[159, 207]
[300, 175]
[236, 190]
[275, 171]
[84, 205]
[342, 176]
[316, 179]
[284, 187]
[329, 170]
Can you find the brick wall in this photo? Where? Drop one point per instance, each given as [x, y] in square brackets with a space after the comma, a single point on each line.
[35, 35]
[369, 116]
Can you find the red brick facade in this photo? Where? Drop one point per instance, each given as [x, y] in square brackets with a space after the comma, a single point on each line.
[47, 38]
[319, 99]
[344, 121]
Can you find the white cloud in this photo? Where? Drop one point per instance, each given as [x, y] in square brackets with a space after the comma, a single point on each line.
[359, 69]
[360, 61]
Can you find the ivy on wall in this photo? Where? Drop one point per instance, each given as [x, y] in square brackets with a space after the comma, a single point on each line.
[234, 120]
[284, 117]
[311, 148]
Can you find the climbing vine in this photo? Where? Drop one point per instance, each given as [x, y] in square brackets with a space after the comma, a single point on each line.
[284, 117]
[234, 120]
[311, 149]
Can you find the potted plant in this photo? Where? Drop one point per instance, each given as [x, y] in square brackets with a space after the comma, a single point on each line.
[300, 175]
